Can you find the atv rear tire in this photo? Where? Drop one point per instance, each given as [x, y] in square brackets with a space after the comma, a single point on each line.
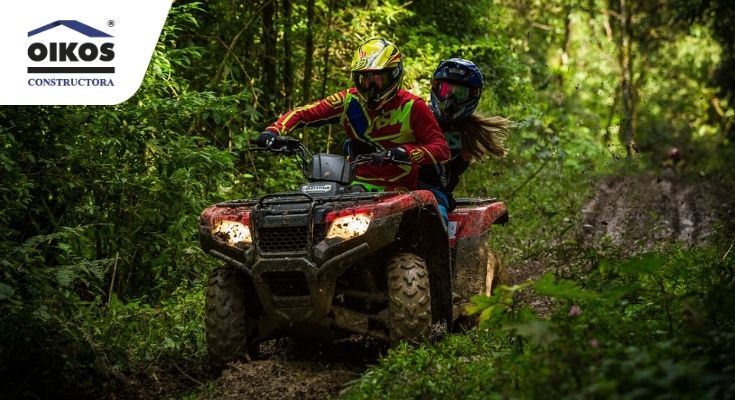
[225, 317]
[409, 298]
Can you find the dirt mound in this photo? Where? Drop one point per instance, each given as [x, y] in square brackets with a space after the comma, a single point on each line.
[638, 212]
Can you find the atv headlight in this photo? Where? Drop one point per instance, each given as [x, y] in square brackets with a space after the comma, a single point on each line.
[348, 226]
[232, 232]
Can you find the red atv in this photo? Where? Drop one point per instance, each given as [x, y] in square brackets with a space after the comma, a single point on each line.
[332, 259]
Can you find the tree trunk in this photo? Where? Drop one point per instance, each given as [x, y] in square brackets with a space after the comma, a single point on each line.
[567, 36]
[328, 44]
[309, 61]
[606, 22]
[269, 57]
[626, 69]
[287, 66]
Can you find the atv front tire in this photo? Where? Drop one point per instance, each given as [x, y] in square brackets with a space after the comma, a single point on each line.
[225, 317]
[409, 298]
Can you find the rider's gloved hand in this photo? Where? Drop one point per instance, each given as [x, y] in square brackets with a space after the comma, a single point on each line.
[267, 139]
[398, 154]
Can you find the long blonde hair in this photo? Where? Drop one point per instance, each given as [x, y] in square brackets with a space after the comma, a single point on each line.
[484, 135]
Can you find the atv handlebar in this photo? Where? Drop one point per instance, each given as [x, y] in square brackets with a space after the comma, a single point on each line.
[290, 146]
[282, 144]
[378, 158]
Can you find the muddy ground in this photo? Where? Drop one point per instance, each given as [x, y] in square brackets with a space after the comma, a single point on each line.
[631, 214]
[291, 370]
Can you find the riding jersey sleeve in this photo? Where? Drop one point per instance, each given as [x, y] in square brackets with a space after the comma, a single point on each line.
[430, 146]
[322, 112]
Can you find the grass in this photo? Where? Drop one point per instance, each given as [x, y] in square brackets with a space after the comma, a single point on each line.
[656, 326]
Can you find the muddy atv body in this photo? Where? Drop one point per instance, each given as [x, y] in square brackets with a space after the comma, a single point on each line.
[332, 260]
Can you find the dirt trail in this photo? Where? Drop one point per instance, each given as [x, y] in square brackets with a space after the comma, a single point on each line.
[287, 370]
[639, 212]
[632, 213]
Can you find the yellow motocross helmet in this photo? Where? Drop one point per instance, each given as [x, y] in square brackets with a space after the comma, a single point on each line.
[377, 71]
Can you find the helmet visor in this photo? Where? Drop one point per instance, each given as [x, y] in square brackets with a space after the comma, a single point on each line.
[378, 79]
[445, 90]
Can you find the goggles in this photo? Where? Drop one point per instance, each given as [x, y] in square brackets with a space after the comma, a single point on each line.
[378, 79]
[444, 90]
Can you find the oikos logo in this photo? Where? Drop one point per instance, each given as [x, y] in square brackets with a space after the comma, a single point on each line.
[81, 52]
[66, 52]
[54, 56]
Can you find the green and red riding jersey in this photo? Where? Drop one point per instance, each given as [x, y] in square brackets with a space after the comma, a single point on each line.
[404, 121]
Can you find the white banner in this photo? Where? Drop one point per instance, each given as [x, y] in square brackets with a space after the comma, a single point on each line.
[92, 52]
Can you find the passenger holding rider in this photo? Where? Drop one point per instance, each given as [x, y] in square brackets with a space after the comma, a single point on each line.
[377, 115]
[456, 87]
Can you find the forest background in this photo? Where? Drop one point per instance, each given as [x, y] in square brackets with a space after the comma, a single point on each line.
[102, 279]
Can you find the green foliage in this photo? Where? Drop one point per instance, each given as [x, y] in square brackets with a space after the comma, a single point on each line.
[437, 30]
[499, 308]
[99, 216]
[561, 289]
[652, 326]
[135, 334]
[428, 371]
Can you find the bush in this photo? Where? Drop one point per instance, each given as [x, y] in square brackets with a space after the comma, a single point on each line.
[659, 325]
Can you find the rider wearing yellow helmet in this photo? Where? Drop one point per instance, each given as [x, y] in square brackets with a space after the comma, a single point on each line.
[377, 115]
[377, 72]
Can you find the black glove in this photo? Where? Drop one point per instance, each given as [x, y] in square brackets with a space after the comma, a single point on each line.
[398, 154]
[267, 139]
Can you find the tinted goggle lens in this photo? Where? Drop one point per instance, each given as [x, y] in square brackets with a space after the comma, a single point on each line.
[379, 79]
[445, 90]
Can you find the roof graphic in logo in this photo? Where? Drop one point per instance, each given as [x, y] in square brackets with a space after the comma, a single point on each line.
[84, 29]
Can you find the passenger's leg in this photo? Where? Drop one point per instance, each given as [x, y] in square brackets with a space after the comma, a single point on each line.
[443, 202]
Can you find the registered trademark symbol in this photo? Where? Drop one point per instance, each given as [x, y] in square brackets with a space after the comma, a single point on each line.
[111, 23]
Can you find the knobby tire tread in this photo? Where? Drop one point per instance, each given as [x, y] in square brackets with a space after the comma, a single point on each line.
[225, 317]
[409, 298]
